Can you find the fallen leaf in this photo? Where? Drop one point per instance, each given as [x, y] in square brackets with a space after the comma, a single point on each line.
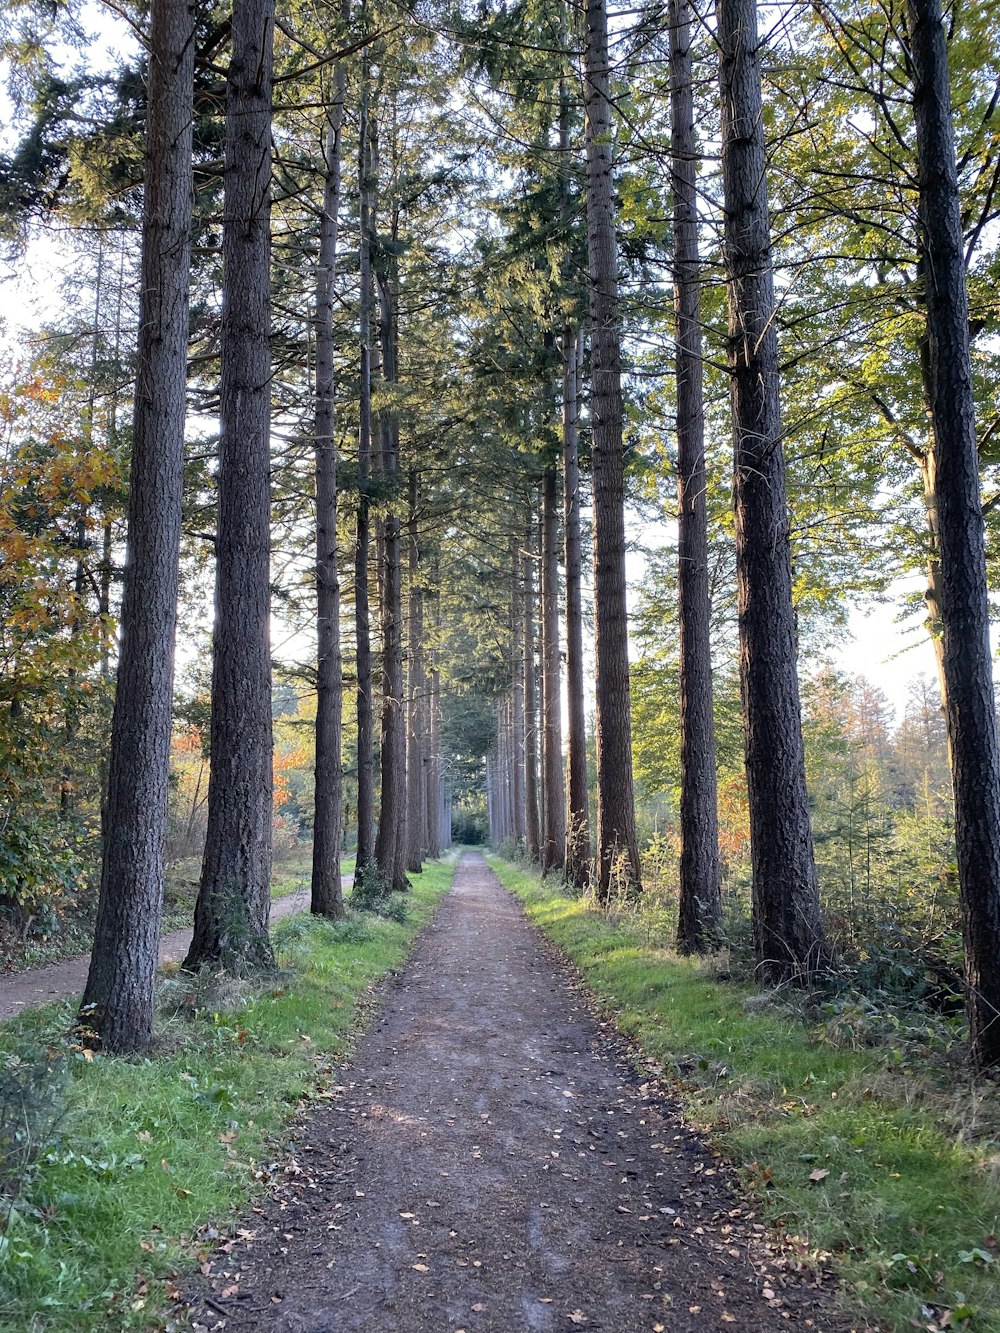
[577, 1317]
[420, 1268]
[819, 1174]
[728, 1318]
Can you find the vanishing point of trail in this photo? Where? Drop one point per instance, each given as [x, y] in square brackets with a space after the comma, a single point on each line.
[492, 1161]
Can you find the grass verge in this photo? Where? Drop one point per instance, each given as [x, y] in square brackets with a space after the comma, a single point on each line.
[848, 1157]
[112, 1166]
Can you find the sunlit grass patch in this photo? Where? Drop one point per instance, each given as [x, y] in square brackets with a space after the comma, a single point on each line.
[130, 1158]
[863, 1161]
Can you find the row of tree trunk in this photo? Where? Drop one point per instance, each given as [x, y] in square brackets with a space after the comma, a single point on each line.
[537, 789]
[530, 784]
[232, 910]
[528, 779]
[787, 921]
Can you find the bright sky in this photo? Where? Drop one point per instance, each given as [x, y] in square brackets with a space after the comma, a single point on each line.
[886, 651]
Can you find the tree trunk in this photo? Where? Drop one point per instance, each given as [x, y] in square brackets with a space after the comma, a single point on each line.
[532, 830]
[327, 892]
[390, 842]
[508, 769]
[432, 787]
[578, 813]
[231, 916]
[554, 840]
[118, 1000]
[788, 932]
[700, 911]
[104, 600]
[362, 543]
[972, 729]
[416, 731]
[516, 695]
[617, 848]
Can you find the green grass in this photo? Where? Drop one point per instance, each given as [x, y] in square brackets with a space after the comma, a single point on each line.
[909, 1210]
[132, 1157]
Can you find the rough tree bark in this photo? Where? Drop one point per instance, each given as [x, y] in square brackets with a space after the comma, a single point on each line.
[700, 911]
[435, 834]
[231, 916]
[327, 898]
[517, 693]
[390, 841]
[118, 1000]
[362, 540]
[416, 689]
[967, 659]
[577, 859]
[788, 932]
[617, 848]
[532, 828]
[554, 803]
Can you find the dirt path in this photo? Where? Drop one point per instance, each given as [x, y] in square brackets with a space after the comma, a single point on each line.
[492, 1162]
[54, 981]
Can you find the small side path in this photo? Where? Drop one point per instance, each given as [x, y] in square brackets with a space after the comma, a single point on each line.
[493, 1163]
[55, 981]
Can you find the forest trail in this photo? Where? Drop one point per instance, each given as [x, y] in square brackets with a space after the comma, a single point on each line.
[55, 981]
[492, 1162]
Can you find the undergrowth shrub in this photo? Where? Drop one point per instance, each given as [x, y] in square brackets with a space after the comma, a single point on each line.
[319, 930]
[32, 1104]
[372, 893]
[896, 975]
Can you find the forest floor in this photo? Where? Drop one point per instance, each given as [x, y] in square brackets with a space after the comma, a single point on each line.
[56, 981]
[491, 1159]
